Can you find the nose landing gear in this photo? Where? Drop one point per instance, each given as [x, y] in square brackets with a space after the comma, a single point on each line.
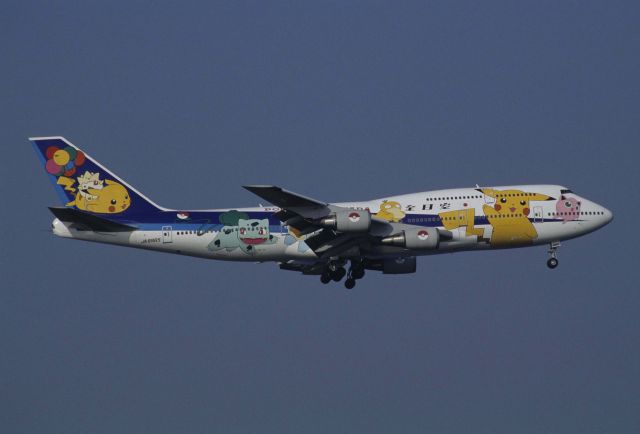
[553, 260]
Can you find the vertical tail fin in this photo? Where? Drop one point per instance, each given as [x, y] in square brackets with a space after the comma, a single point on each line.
[83, 183]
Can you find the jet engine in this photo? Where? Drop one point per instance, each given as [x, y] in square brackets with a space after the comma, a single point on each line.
[349, 220]
[414, 238]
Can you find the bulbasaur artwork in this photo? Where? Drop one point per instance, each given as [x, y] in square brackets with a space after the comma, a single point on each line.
[247, 234]
[253, 231]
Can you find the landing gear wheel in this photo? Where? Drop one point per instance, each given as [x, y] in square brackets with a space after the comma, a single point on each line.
[338, 274]
[350, 283]
[325, 278]
[357, 273]
[553, 251]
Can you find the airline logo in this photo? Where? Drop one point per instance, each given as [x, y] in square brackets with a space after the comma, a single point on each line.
[354, 217]
[422, 235]
[183, 215]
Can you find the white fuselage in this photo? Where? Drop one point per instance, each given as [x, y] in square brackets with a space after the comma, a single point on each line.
[476, 218]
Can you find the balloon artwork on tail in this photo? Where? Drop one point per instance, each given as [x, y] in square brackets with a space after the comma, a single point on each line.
[63, 161]
[91, 193]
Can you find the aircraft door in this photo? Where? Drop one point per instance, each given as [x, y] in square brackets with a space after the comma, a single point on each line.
[462, 222]
[166, 234]
[538, 214]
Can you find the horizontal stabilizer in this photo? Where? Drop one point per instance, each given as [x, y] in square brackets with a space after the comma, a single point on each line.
[93, 222]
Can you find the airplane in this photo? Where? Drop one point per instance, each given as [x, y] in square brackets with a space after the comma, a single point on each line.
[330, 240]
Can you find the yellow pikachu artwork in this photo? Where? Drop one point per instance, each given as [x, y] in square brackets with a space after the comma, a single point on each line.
[509, 217]
[112, 198]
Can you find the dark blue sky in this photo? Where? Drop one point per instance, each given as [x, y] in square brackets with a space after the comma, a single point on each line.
[340, 101]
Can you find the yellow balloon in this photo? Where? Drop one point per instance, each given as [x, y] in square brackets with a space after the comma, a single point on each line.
[61, 157]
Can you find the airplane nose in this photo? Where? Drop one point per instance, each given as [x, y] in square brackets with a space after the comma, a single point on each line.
[608, 215]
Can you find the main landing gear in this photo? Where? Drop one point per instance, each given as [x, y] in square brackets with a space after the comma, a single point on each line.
[325, 277]
[553, 260]
[335, 271]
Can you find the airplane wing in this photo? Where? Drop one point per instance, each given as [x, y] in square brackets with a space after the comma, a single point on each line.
[310, 216]
[292, 202]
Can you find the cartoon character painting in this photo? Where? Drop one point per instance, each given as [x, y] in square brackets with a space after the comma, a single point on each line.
[63, 161]
[461, 218]
[105, 199]
[290, 239]
[509, 216]
[89, 180]
[113, 198]
[239, 231]
[88, 191]
[568, 209]
[390, 211]
[253, 232]
[85, 181]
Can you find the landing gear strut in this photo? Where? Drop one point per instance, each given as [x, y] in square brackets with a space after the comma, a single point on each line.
[356, 271]
[553, 260]
[338, 274]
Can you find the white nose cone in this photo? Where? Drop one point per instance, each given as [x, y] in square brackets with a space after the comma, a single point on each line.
[608, 216]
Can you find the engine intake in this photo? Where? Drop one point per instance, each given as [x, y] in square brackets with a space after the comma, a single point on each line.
[348, 221]
[414, 238]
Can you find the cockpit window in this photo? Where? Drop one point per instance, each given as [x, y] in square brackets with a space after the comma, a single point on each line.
[565, 191]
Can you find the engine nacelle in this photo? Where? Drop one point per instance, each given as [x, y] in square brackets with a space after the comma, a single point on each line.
[350, 220]
[394, 265]
[415, 238]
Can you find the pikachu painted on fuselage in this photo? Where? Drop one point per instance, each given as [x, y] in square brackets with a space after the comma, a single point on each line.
[509, 217]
